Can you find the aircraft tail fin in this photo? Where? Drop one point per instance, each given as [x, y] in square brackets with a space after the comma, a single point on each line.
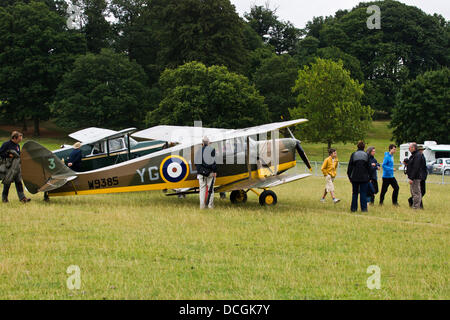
[43, 171]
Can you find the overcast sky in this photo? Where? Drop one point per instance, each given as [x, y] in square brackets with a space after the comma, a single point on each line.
[299, 12]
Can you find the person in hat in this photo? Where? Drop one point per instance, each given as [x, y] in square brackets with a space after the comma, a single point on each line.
[415, 174]
[423, 179]
[75, 158]
[205, 162]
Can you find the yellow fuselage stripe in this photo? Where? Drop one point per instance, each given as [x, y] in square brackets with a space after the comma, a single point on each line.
[161, 186]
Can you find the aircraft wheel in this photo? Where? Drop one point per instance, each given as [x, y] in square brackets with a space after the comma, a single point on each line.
[268, 198]
[238, 196]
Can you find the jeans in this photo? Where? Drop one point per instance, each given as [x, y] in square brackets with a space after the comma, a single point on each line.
[359, 188]
[416, 194]
[386, 183]
[423, 190]
[372, 191]
[19, 189]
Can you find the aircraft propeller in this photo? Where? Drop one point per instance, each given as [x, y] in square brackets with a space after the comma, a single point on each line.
[300, 150]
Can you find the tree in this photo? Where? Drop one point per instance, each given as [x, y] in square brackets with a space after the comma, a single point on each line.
[275, 79]
[283, 36]
[95, 26]
[409, 43]
[209, 31]
[35, 50]
[105, 90]
[331, 100]
[422, 111]
[213, 95]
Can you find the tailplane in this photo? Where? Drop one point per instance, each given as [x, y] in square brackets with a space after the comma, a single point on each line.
[42, 171]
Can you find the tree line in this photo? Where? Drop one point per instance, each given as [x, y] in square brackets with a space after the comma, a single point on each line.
[145, 62]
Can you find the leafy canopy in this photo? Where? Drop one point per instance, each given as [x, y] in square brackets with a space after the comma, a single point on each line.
[331, 100]
[213, 95]
[422, 111]
[105, 90]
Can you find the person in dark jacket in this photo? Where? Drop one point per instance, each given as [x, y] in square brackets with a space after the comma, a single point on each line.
[415, 174]
[205, 162]
[373, 175]
[423, 181]
[358, 173]
[11, 149]
[75, 158]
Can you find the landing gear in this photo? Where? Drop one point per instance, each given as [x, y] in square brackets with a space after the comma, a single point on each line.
[238, 196]
[268, 198]
[46, 197]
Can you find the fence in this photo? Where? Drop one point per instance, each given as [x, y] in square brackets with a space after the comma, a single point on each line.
[342, 172]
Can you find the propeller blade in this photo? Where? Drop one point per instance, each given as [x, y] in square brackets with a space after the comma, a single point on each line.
[302, 155]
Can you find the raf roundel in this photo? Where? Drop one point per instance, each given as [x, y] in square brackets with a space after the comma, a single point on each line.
[174, 169]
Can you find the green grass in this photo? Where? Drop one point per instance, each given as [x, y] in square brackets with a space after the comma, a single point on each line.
[145, 245]
[148, 246]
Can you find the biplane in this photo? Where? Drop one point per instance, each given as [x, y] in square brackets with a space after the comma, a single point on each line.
[103, 147]
[247, 160]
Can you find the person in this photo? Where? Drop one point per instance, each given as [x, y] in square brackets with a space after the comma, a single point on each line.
[205, 161]
[358, 173]
[10, 156]
[75, 158]
[329, 172]
[423, 181]
[373, 175]
[388, 176]
[415, 174]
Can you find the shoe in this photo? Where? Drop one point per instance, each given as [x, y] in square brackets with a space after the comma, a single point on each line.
[322, 200]
[25, 200]
[336, 200]
[5, 200]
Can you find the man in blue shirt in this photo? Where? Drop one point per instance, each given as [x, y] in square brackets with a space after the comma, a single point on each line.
[388, 176]
[11, 150]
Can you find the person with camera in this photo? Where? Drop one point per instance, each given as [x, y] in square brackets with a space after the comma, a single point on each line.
[205, 162]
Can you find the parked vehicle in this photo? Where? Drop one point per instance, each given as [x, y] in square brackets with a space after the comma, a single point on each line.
[432, 152]
[442, 166]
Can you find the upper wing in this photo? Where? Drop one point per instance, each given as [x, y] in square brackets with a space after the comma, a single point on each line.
[268, 182]
[193, 135]
[91, 135]
[180, 134]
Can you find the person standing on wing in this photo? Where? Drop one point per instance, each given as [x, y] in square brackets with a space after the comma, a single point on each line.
[388, 176]
[75, 158]
[205, 162]
[329, 172]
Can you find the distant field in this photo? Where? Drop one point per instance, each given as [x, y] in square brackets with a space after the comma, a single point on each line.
[146, 246]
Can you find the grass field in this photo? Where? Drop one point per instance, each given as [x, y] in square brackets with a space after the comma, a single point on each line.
[148, 246]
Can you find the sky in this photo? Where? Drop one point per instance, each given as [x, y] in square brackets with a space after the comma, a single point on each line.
[299, 12]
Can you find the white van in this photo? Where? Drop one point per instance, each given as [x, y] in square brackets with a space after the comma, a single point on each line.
[432, 151]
